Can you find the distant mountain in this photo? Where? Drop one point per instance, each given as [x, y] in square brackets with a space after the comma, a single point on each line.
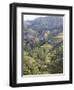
[43, 29]
[46, 23]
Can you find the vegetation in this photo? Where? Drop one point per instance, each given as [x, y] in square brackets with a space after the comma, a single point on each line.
[43, 60]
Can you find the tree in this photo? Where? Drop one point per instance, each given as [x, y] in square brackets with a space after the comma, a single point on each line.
[56, 61]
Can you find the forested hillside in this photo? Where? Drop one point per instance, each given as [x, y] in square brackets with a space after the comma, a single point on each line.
[43, 45]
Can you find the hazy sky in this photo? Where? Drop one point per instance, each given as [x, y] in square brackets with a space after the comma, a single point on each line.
[32, 17]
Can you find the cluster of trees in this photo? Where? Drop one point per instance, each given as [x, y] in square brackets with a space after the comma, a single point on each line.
[43, 60]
